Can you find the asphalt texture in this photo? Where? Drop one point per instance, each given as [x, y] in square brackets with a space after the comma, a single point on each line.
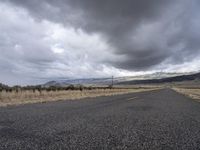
[154, 120]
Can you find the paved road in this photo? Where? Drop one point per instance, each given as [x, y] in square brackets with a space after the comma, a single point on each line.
[154, 120]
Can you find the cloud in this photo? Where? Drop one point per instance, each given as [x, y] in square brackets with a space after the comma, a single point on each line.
[146, 32]
[84, 38]
[32, 50]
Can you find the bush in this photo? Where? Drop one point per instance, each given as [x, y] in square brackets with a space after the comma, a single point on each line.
[110, 86]
[81, 88]
[89, 88]
[71, 87]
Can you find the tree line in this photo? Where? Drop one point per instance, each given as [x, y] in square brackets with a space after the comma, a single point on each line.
[40, 88]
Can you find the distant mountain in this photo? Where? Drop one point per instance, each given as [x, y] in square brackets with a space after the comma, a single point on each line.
[55, 83]
[181, 78]
[90, 81]
[147, 78]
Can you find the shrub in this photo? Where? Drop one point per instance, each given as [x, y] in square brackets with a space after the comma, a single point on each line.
[89, 88]
[81, 87]
[71, 87]
[110, 86]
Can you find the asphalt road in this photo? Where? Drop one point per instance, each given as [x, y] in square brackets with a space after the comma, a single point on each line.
[153, 120]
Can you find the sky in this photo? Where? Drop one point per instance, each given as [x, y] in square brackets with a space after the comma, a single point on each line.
[64, 39]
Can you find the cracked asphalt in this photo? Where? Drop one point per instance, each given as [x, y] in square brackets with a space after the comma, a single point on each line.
[156, 120]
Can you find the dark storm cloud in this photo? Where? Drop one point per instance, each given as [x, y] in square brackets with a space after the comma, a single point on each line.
[145, 32]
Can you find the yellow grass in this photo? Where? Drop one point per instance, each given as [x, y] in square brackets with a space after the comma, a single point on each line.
[24, 97]
[193, 93]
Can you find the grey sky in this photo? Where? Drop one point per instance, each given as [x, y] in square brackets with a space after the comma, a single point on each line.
[96, 38]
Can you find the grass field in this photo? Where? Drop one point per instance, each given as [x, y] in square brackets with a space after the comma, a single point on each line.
[194, 93]
[23, 97]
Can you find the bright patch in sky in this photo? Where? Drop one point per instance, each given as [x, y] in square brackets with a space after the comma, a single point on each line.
[46, 40]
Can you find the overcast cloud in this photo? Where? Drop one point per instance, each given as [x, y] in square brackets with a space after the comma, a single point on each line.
[49, 39]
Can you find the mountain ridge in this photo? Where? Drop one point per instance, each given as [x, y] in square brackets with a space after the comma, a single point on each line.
[181, 78]
[158, 77]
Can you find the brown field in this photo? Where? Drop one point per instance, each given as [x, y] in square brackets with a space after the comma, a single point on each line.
[23, 97]
[188, 88]
[194, 93]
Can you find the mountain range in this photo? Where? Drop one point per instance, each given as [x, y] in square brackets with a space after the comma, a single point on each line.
[159, 77]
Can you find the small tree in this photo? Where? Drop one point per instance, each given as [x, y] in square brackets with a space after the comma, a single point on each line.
[110, 86]
[53, 88]
[81, 87]
[39, 88]
[71, 87]
[89, 88]
[17, 89]
[1, 90]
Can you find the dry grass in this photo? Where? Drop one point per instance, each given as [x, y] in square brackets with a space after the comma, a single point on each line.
[14, 98]
[194, 93]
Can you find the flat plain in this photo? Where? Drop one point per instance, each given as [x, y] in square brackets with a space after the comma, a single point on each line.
[161, 119]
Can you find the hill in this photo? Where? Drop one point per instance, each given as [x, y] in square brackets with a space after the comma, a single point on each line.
[139, 79]
[181, 78]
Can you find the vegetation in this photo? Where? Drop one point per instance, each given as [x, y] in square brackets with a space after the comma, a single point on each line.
[41, 88]
[192, 92]
[33, 94]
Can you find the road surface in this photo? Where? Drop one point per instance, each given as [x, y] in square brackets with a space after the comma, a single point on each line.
[154, 120]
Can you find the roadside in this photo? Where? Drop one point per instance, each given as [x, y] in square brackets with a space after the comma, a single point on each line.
[17, 98]
[193, 93]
